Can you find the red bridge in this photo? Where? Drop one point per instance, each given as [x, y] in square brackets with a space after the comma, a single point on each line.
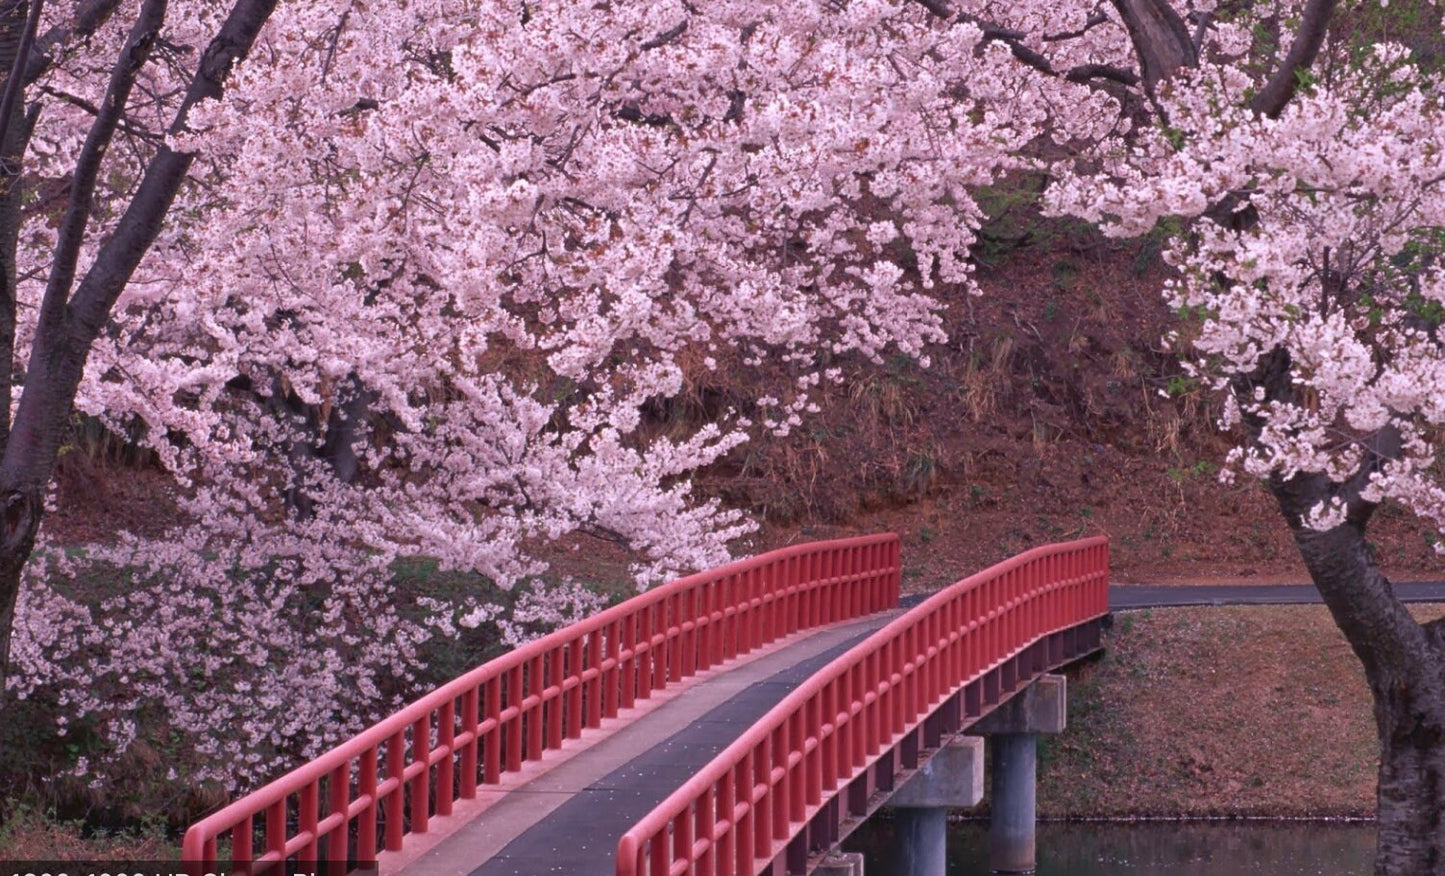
[738, 721]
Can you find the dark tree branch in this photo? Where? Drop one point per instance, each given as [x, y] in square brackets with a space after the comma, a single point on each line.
[1285, 81]
[937, 7]
[91, 109]
[18, 22]
[333, 39]
[1086, 72]
[141, 222]
[1093, 21]
[62, 340]
[71, 234]
[631, 112]
[229, 46]
[737, 101]
[1161, 39]
[90, 15]
[1359, 597]
[1435, 632]
[1014, 39]
[62, 344]
[1201, 27]
[15, 85]
[1022, 52]
[1384, 446]
[666, 36]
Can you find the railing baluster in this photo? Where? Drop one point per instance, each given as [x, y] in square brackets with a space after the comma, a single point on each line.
[593, 696]
[688, 634]
[663, 635]
[241, 839]
[553, 677]
[308, 814]
[782, 789]
[339, 788]
[630, 671]
[492, 752]
[704, 821]
[395, 801]
[612, 678]
[470, 713]
[366, 827]
[276, 828]
[420, 749]
[646, 656]
[446, 741]
[531, 705]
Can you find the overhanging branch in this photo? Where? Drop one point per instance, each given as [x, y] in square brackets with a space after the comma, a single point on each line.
[71, 234]
[1016, 40]
[1285, 81]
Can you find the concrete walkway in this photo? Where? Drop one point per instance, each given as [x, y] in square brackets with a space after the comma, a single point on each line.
[1124, 597]
[566, 822]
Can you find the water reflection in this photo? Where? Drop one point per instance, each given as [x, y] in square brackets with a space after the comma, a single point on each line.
[1156, 849]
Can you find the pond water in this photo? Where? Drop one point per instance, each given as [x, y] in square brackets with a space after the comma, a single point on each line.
[1156, 849]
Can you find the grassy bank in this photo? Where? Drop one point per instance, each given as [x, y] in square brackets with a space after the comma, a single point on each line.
[1233, 711]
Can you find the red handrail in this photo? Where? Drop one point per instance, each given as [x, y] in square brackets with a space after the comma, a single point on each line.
[393, 777]
[742, 809]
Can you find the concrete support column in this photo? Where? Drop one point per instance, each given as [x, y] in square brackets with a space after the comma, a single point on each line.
[920, 840]
[951, 779]
[841, 864]
[1013, 762]
[1012, 733]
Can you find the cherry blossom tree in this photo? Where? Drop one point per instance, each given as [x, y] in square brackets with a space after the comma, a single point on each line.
[54, 307]
[407, 281]
[1299, 158]
[424, 271]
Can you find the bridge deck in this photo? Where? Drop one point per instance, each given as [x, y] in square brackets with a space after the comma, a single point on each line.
[567, 820]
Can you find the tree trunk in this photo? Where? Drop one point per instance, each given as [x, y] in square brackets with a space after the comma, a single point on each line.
[19, 523]
[69, 321]
[1404, 665]
[1411, 837]
[340, 427]
[1160, 37]
[21, 512]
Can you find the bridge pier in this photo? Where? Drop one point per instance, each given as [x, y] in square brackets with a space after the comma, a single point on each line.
[951, 779]
[1012, 733]
[920, 840]
[841, 864]
[1012, 817]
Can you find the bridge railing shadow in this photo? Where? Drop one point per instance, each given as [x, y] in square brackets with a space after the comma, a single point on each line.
[965, 647]
[367, 794]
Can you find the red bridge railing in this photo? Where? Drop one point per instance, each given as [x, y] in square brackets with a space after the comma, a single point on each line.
[740, 811]
[370, 792]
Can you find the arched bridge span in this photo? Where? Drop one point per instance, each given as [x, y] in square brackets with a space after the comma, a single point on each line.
[787, 784]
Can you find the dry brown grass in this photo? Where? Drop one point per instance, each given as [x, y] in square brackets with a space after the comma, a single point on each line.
[1248, 711]
[29, 836]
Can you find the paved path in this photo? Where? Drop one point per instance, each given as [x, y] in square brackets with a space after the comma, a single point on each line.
[1131, 596]
[567, 821]
[1127, 597]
